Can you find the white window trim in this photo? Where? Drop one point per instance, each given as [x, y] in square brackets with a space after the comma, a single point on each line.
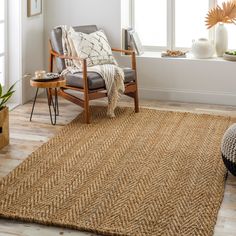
[5, 53]
[170, 26]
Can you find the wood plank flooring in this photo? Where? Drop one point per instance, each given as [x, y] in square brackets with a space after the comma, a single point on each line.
[28, 136]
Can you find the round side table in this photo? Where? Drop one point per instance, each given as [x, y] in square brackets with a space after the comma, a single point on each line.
[51, 87]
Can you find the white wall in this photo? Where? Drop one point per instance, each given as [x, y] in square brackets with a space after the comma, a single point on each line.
[188, 80]
[204, 81]
[26, 49]
[104, 13]
[33, 49]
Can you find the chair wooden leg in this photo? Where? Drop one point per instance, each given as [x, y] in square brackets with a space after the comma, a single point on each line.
[87, 114]
[136, 101]
[86, 93]
[86, 111]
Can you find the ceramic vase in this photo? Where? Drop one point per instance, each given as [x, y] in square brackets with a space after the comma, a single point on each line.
[221, 43]
[202, 48]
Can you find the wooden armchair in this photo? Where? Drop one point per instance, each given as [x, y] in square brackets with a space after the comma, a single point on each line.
[90, 84]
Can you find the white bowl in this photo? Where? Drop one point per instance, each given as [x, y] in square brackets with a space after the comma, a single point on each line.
[229, 57]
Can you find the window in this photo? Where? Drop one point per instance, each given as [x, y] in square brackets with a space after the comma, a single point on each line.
[145, 15]
[2, 40]
[189, 24]
[173, 24]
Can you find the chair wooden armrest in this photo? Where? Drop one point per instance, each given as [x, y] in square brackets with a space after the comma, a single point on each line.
[131, 53]
[55, 54]
[83, 65]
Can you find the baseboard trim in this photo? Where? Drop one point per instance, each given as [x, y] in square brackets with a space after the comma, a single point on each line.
[12, 105]
[208, 97]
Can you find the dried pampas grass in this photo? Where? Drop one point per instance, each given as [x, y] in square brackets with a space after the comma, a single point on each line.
[224, 14]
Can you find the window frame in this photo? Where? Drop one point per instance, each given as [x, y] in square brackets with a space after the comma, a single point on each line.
[5, 51]
[170, 26]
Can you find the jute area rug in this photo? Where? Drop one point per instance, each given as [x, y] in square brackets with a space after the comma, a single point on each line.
[152, 173]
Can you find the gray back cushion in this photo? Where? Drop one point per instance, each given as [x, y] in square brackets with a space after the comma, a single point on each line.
[56, 42]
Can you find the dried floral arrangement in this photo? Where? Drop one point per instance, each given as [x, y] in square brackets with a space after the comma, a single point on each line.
[224, 14]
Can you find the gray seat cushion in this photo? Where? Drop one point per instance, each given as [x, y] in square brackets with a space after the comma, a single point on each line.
[95, 81]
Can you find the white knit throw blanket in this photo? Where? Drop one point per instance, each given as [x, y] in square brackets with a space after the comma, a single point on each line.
[112, 74]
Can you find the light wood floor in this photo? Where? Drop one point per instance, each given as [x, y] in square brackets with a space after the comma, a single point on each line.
[28, 136]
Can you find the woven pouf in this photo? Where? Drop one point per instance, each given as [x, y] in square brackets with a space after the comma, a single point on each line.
[228, 149]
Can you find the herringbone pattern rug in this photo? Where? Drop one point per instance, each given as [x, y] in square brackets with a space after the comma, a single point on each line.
[152, 173]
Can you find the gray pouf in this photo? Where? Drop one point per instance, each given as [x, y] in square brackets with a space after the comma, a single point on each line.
[228, 149]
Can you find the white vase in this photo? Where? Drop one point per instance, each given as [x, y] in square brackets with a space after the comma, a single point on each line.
[221, 43]
[202, 48]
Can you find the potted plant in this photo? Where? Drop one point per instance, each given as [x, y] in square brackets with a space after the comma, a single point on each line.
[4, 115]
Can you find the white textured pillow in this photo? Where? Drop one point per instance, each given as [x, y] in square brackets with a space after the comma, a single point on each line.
[94, 47]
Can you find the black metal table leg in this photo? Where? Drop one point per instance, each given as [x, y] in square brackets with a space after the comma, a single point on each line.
[54, 105]
[32, 111]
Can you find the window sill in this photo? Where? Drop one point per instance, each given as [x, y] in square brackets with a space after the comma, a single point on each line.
[189, 56]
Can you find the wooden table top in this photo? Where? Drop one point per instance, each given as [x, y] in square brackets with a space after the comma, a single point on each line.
[55, 83]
